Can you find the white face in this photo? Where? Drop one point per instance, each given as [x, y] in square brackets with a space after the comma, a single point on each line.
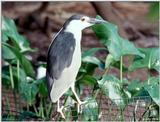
[79, 24]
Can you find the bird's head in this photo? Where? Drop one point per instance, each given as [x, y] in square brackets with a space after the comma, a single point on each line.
[80, 22]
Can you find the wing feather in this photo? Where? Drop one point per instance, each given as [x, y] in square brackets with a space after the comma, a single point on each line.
[59, 57]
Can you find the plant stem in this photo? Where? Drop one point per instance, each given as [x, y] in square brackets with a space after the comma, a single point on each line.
[42, 110]
[35, 109]
[122, 115]
[18, 70]
[97, 91]
[49, 110]
[121, 69]
[18, 76]
[12, 85]
[11, 76]
[149, 66]
[106, 70]
[27, 107]
[135, 110]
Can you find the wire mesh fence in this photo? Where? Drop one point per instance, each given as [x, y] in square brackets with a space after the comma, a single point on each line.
[136, 110]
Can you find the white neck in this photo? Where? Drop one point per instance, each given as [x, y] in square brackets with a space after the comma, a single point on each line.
[76, 27]
[73, 28]
[76, 32]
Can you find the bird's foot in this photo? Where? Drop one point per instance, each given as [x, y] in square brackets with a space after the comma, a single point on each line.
[61, 112]
[79, 106]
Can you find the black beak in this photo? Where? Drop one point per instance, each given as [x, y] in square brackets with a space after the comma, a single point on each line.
[96, 21]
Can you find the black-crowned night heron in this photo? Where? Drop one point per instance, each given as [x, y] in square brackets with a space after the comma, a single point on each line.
[64, 58]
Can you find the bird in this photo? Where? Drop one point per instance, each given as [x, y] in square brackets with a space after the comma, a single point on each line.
[64, 58]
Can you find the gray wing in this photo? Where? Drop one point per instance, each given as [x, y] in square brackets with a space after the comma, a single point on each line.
[59, 56]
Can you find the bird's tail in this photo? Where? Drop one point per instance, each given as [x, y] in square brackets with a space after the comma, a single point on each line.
[49, 83]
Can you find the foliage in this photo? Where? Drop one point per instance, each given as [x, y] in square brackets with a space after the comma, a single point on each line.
[151, 60]
[112, 88]
[18, 73]
[154, 11]
[151, 85]
[17, 70]
[90, 110]
[117, 46]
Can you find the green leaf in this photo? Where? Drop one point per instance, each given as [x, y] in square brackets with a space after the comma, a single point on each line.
[4, 37]
[151, 60]
[116, 64]
[117, 46]
[74, 113]
[152, 86]
[91, 51]
[88, 57]
[6, 80]
[89, 62]
[88, 80]
[27, 115]
[9, 30]
[82, 70]
[6, 76]
[23, 61]
[134, 87]
[93, 60]
[113, 88]
[7, 53]
[90, 110]
[111, 62]
[88, 68]
[42, 89]
[153, 13]
[28, 92]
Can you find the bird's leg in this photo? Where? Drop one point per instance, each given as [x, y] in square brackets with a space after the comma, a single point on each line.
[60, 109]
[78, 100]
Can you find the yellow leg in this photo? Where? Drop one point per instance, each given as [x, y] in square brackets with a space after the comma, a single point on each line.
[60, 109]
[78, 100]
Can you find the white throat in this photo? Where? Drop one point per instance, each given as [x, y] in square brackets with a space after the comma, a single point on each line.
[77, 33]
[75, 27]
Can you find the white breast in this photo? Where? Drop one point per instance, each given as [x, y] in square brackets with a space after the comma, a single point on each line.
[69, 74]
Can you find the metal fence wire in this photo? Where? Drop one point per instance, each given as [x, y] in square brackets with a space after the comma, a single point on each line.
[136, 109]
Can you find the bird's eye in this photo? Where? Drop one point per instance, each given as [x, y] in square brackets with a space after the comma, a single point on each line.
[82, 19]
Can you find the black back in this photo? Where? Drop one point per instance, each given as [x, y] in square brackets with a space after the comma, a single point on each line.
[59, 57]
